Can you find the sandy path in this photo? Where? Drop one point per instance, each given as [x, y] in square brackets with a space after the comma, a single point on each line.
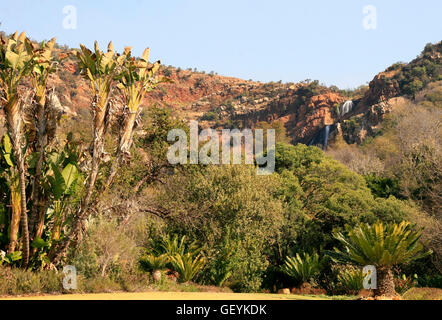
[170, 296]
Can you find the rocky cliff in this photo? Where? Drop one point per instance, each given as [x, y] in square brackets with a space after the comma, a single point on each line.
[304, 108]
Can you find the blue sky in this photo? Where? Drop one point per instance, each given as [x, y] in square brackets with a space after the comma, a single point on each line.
[251, 39]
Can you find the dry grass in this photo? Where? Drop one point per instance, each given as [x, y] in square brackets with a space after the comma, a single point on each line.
[423, 294]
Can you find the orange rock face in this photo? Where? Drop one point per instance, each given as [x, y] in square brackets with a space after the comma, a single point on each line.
[319, 111]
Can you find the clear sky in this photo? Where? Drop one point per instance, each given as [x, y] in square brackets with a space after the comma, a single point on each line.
[269, 40]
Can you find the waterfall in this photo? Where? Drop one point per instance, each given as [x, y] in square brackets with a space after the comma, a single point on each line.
[345, 108]
[326, 136]
[322, 137]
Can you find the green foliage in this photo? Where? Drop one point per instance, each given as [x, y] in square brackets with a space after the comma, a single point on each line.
[302, 267]
[383, 187]
[210, 116]
[380, 245]
[152, 262]
[14, 281]
[204, 204]
[425, 69]
[10, 258]
[187, 265]
[403, 283]
[351, 280]
[221, 269]
[322, 195]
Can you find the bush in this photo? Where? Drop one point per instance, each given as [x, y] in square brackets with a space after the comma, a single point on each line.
[17, 281]
[403, 283]
[302, 268]
[187, 265]
[108, 248]
[206, 203]
[210, 116]
[351, 280]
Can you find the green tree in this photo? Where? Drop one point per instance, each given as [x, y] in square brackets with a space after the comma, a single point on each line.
[322, 195]
[204, 203]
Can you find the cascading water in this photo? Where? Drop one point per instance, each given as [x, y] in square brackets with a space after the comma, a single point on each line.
[326, 136]
[345, 108]
[322, 137]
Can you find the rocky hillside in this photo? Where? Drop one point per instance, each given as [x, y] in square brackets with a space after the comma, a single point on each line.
[308, 109]
[305, 109]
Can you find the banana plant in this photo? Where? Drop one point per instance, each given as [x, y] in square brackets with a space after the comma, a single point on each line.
[100, 69]
[37, 123]
[6, 152]
[135, 81]
[62, 185]
[16, 62]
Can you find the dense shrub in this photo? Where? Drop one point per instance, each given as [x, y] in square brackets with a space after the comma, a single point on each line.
[226, 204]
[17, 281]
[322, 195]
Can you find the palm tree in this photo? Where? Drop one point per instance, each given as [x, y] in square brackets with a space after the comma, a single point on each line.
[383, 246]
[16, 62]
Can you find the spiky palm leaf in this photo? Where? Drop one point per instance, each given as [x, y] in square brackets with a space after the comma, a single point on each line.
[152, 262]
[187, 265]
[351, 280]
[302, 268]
[380, 245]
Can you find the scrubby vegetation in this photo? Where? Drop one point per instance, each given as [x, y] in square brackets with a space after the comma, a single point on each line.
[104, 198]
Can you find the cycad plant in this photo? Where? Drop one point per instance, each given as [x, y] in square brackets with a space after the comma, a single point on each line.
[351, 280]
[383, 246]
[154, 264]
[302, 267]
[188, 265]
[174, 245]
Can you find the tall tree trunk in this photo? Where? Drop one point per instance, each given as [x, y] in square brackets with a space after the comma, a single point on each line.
[24, 213]
[124, 146]
[15, 216]
[38, 205]
[13, 122]
[100, 127]
[385, 283]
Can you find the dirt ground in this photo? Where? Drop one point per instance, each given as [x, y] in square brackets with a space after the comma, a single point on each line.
[171, 296]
